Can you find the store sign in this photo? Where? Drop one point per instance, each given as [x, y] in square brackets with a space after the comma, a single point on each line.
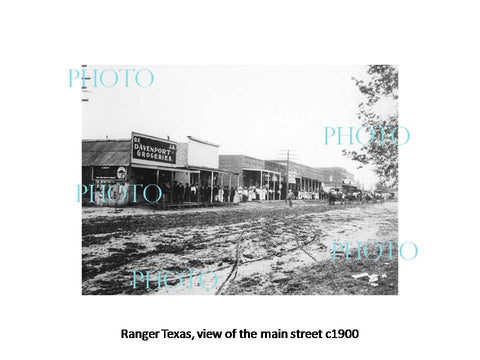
[105, 172]
[148, 150]
[121, 173]
[292, 175]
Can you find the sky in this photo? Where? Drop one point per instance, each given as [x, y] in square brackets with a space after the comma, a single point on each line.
[252, 110]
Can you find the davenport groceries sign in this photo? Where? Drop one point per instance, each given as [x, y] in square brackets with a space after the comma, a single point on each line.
[149, 150]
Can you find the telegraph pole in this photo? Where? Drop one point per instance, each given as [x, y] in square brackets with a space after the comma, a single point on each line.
[288, 163]
[84, 88]
[289, 155]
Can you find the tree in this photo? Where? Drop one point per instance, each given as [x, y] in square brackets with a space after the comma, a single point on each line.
[381, 92]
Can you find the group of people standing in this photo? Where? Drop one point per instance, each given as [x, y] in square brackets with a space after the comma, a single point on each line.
[257, 193]
[224, 194]
[180, 193]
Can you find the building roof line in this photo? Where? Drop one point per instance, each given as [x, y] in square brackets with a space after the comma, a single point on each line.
[202, 141]
[105, 140]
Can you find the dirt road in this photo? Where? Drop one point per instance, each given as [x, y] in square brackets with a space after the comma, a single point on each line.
[253, 248]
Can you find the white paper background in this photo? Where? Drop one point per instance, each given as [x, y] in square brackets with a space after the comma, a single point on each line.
[435, 43]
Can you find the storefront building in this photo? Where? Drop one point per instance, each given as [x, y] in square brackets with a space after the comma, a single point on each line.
[200, 160]
[185, 172]
[334, 176]
[349, 186]
[260, 176]
[305, 181]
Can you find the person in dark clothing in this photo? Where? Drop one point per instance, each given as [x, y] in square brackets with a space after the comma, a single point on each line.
[290, 198]
[225, 193]
[181, 193]
[208, 193]
[202, 193]
[232, 194]
[175, 192]
[186, 197]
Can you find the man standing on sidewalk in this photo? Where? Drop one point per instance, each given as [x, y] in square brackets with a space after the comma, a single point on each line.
[289, 198]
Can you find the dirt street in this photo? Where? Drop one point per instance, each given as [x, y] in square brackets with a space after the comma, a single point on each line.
[253, 248]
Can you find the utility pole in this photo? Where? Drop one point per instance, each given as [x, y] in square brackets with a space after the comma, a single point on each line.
[288, 153]
[288, 163]
[85, 88]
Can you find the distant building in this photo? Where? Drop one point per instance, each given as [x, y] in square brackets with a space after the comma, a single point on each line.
[255, 173]
[274, 175]
[301, 178]
[335, 176]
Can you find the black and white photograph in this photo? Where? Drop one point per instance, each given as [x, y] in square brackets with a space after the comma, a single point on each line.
[221, 179]
[240, 180]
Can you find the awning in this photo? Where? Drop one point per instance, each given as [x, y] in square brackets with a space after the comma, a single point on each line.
[163, 168]
[262, 170]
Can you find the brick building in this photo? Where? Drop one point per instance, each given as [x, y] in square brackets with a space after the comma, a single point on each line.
[301, 178]
[335, 176]
[256, 173]
[305, 181]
